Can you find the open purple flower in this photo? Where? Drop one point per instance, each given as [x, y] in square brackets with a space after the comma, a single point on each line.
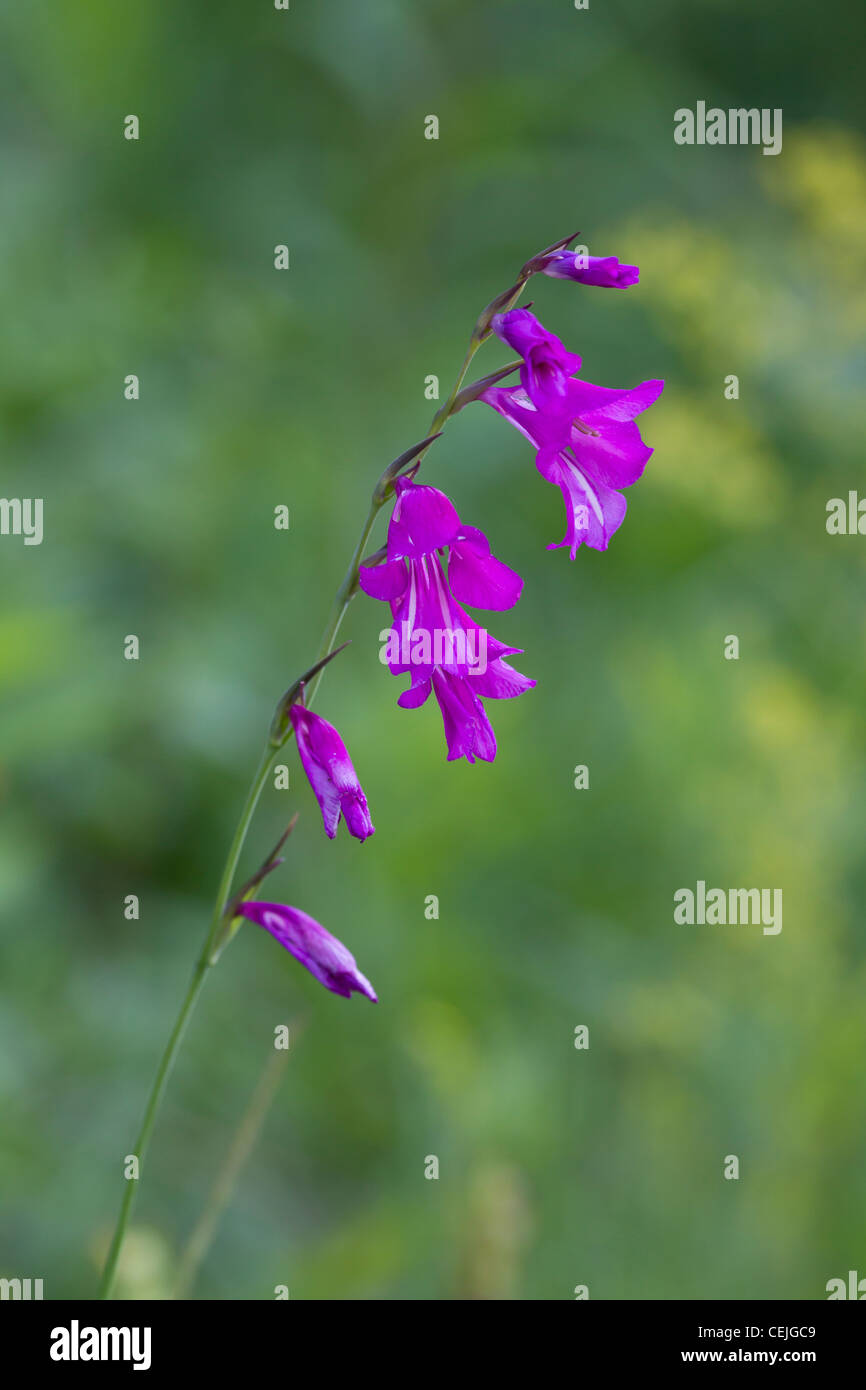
[604, 271]
[320, 952]
[330, 773]
[432, 638]
[585, 437]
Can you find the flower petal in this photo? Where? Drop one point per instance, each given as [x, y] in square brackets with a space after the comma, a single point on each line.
[332, 964]
[521, 330]
[596, 404]
[616, 456]
[423, 520]
[386, 581]
[476, 577]
[468, 731]
[513, 404]
[417, 693]
[547, 363]
[500, 682]
[593, 510]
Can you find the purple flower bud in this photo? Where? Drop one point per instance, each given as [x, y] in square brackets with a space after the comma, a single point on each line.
[604, 271]
[317, 950]
[330, 773]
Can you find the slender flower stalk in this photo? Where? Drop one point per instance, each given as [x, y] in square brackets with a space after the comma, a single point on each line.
[208, 956]
[160, 1081]
[190, 1000]
[588, 444]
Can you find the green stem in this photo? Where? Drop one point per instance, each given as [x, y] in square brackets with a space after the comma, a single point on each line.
[444, 411]
[235, 848]
[190, 999]
[162, 1075]
[207, 959]
[344, 596]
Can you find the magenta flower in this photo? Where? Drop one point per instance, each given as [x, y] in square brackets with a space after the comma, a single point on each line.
[331, 774]
[547, 364]
[432, 638]
[590, 457]
[604, 271]
[585, 437]
[320, 952]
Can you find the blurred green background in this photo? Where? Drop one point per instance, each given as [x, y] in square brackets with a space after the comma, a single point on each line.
[557, 1167]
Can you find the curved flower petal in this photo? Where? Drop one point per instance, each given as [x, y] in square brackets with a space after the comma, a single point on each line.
[423, 520]
[521, 330]
[500, 681]
[331, 774]
[476, 577]
[416, 695]
[598, 404]
[593, 510]
[617, 456]
[468, 731]
[332, 964]
[604, 271]
[547, 363]
[515, 406]
[386, 581]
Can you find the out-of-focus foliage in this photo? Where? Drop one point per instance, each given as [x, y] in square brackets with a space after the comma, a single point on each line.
[557, 1166]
